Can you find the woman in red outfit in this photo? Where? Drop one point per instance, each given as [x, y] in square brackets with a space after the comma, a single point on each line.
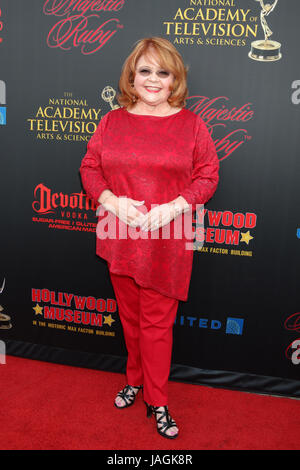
[149, 162]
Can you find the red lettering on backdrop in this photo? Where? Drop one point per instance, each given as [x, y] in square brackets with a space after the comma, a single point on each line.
[213, 109]
[46, 201]
[1, 24]
[238, 220]
[292, 323]
[80, 29]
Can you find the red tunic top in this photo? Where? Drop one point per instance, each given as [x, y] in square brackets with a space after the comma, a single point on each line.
[154, 159]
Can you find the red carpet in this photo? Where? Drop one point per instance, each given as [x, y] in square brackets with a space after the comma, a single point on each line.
[53, 407]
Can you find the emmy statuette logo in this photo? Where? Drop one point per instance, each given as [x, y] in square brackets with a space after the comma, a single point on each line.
[265, 50]
[108, 94]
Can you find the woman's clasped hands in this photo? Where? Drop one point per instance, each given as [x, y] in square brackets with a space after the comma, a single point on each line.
[125, 209]
[158, 217]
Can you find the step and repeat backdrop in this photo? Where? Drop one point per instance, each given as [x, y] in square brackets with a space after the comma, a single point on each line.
[60, 63]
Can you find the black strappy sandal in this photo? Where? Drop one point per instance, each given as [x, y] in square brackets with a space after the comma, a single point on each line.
[128, 395]
[162, 426]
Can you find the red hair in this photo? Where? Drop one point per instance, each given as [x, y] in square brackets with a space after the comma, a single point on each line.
[168, 58]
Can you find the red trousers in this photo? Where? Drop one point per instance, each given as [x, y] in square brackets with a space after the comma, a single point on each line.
[147, 318]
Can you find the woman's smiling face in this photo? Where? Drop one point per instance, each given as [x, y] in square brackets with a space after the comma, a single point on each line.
[152, 82]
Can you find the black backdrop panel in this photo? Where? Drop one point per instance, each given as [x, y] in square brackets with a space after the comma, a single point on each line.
[60, 67]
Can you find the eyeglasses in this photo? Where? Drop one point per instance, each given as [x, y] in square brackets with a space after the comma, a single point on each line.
[145, 72]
